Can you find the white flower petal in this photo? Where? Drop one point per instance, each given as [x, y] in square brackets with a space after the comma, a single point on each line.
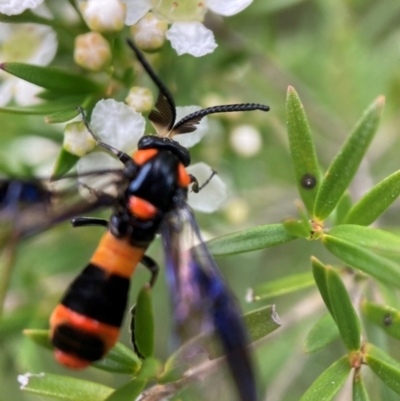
[93, 162]
[13, 7]
[190, 139]
[117, 124]
[25, 93]
[192, 38]
[210, 198]
[6, 91]
[136, 9]
[48, 44]
[228, 7]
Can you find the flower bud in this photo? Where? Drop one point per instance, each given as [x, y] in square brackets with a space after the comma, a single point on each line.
[141, 99]
[246, 140]
[104, 15]
[149, 32]
[77, 140]
[92, 51]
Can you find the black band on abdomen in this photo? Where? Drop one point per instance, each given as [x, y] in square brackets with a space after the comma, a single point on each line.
[98, 295]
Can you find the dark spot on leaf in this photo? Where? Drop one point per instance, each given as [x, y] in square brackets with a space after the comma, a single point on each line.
[388, 319]
[308, 181]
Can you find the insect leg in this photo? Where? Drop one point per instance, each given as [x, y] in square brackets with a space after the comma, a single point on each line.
[195, 187]
[88, 221]
[154, 268]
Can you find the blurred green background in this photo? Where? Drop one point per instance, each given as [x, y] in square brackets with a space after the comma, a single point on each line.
[339, 55]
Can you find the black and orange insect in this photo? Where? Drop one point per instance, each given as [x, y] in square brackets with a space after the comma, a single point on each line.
[152, 193]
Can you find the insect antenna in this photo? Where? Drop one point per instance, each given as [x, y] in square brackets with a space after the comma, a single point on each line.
[164, 117]
[188, 124]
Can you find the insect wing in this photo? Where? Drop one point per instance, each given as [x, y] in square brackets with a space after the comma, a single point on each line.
[201, 299]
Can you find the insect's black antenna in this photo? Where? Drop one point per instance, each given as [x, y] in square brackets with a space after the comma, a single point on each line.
[188, 123]
[170, 104]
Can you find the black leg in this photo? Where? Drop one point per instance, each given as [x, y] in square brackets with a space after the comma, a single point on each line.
[88, 221]
[195, 187]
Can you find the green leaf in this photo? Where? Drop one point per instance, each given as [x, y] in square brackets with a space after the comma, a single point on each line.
[26, 17]
[345, 165]
[343, 208]
[375, 240]
[261, 322]
[51, 78]
[61, 116]
[65, 161]
[386, 368]
[322, 334]
[384, 316]
[63, 387]
[329, 382]
[128, 392]
[376, 201]
[302, 150]
[285, 285]
[120, 359]
[250, 240]
[359, 390]
[40, 337]
[343, 311]
[151, 368]
[320, 277]
[296, 227]
[142, 323]
[361, 258]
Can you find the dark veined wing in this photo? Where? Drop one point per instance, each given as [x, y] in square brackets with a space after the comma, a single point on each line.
[30, 206]
[201, 299]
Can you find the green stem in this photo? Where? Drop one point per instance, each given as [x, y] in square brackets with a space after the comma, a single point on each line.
[8, 258]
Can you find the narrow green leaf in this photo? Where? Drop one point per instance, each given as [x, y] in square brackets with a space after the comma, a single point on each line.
[261, 322]
[343, 311]
[40, 337]
[302, 150]
[51, 78]
[386, 368]
[359, 390]
[120, 359]
[61, 116]
[65, 161]
[128, 392]
[151, 368]
[63, 104]
[384, 316]
[250, 240]
[296, 227]
[322, 334]
[26, 17]
[376, 201]
[375, 240]
[329, 382]
[63, 387]
[345, 165]
[142, 323]
[343, 208]
[363, 259]
[282, 286]
[320, 277]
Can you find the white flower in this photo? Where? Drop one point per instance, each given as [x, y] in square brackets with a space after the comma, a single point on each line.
[120, 126]
[104, 15]
[149, 32]
[24, 43]
[77, 139]
[13, 7]
[92, 51]
[246, 140]
[140, 98]
[187, 33]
